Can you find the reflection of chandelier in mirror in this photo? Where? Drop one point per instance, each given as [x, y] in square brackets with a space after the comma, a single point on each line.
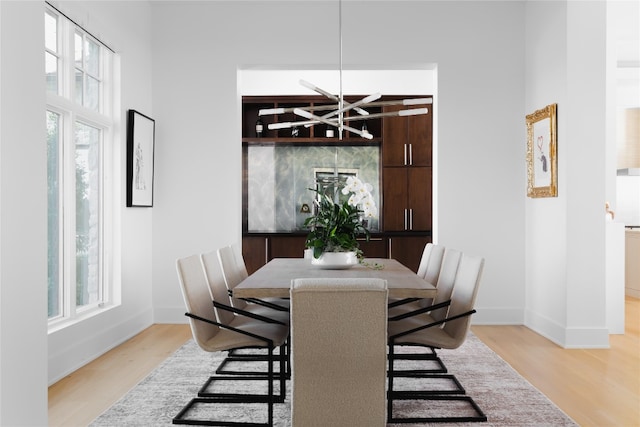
[335, 116]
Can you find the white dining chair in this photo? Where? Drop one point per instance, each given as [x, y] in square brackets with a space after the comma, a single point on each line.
[416, 315]
[450, 333]
[238, 308]
[215, 333]
[234, 272]
[429, 269]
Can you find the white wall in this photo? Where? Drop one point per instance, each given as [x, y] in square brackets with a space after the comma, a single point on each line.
[564, 235]
[25, 368]
[480, 65]
[126, 28]
[23, 203]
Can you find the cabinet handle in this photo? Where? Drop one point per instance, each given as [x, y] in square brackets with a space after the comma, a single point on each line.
[405, 154]
[390, 254]
[411, 154]
[411, 219]
[266, 250]
[405, 219]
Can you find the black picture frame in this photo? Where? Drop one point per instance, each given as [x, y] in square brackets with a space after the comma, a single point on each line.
[140, 159]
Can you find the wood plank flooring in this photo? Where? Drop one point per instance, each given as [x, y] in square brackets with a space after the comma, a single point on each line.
[79, 398]
[595, 387]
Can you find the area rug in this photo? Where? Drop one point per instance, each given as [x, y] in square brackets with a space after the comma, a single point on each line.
[505, 397]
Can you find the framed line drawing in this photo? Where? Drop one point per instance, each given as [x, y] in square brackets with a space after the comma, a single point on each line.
[140, 160]
[542, 163]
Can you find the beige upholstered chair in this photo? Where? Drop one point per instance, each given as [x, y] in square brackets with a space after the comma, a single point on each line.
[242, 312]
[416, 315]
[221, 268]
[429, 269]
[241, 266]
[234, 272]
[338, 334]
[449, 332]
[430, 261]
[214, 334]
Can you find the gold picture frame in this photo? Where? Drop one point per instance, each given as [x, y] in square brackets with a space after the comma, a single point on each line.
[542, 164]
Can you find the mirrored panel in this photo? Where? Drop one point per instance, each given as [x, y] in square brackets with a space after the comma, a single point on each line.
[281, 179]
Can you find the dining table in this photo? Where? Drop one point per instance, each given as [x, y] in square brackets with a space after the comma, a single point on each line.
[273, 280]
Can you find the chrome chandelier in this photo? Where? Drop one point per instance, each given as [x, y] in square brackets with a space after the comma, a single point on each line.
[335, 116]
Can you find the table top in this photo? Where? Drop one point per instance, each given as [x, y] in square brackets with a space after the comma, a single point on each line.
[274, 278]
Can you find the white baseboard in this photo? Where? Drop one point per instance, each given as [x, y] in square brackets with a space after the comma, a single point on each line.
[85, 347]
[170, 315]
[498, 316]
[567, 337]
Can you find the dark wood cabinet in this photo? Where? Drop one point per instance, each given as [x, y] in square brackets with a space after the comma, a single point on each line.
[407, 140]
[258, 250]
[407, 198]
[408, 249]
[376, 247]
[254, 252]
[405, 165]
[283, 246]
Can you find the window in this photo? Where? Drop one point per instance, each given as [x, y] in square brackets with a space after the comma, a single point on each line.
[79, 117]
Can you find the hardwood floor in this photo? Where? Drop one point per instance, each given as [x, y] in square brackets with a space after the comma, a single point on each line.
[79, 398]
[595, 387]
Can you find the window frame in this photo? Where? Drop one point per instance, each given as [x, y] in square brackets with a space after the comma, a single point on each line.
[70, 113]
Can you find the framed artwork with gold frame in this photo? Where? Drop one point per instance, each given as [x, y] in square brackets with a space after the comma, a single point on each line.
[542, 163]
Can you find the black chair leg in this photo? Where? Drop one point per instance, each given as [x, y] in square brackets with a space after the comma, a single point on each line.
[235, 356]
[456, 394]
[206, 398]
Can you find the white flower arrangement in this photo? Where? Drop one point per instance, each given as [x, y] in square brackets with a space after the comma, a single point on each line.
[361, 197]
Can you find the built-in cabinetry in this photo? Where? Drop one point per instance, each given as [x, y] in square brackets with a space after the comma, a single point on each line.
[407, 169]
[279, 166]
[407, 206]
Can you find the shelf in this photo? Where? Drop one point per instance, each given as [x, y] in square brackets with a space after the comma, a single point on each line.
[266, 141]
[252, 104]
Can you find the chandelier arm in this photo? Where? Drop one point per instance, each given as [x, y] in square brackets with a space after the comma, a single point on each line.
[411, 112]
[349, 107]
[410, 101]
[288, 125]
[318, 90]
[308, 115]
[308, 123]
[328, 95]
[274, 111]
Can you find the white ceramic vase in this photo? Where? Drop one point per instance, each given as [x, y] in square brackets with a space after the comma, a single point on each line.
[335, 260]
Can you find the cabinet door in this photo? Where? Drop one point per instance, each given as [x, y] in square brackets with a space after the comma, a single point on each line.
[286, 246]
[394, 199]
[419, 195]
[420, 140]
[254, 252]
[376, 247]
[407, 199]
[408, 250]
[394, 138]
[407, 141]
